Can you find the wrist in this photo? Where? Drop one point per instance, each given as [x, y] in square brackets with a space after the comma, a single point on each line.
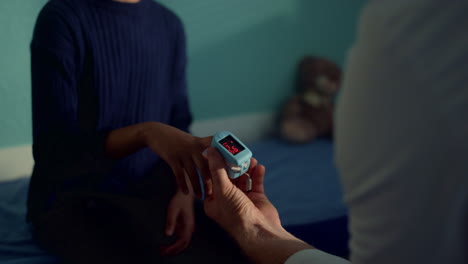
[147, 132]
[127, 140]
[264, 243]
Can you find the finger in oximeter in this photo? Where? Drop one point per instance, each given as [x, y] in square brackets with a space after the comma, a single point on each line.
[235, 153]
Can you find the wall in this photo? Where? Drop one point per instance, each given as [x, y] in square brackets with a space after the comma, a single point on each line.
[16, 25]
[242, 53]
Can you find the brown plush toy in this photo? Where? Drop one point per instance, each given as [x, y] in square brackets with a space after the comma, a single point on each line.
[309, 114]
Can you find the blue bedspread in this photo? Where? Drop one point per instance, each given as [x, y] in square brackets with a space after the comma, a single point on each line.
[301, 181]
[16, 243]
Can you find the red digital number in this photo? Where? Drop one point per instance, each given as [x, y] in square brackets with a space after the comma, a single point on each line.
[234, 150]
[231, 149]
[226, 145]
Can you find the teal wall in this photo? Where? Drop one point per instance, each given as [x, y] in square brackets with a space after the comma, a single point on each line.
[16, 24]
[246, 49]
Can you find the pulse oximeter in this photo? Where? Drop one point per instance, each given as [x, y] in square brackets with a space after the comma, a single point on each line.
[234, 152]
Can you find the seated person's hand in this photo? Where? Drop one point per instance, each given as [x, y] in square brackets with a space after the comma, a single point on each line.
[229, 206]
[182, 152]
[180, 223]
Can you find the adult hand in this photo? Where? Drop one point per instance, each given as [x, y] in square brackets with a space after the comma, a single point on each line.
[182, 152]
[250, 218]
[180, 222]
[231, 207]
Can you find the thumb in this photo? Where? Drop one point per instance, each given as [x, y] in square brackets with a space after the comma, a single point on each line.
[217, 167]
[171, 221]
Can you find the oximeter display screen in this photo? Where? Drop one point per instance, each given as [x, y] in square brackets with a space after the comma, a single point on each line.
[231, 145]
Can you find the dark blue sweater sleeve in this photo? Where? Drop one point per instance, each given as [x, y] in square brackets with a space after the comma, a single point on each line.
[181, 116]
[61, 146]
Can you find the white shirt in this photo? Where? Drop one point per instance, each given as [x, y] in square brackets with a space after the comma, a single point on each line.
[402, 135]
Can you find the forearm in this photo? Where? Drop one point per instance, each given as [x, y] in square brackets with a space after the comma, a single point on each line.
[128, 140]
[265, 244]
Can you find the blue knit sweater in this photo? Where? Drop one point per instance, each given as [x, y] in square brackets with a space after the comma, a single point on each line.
[99, 65]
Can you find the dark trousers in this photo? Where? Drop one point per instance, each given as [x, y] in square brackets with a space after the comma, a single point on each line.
[105, 228]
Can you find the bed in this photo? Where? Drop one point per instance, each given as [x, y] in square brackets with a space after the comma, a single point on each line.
[301, 181]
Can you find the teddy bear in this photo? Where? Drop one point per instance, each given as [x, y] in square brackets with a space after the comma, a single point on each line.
[309, 113]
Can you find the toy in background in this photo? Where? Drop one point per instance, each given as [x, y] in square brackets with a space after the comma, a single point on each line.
[309, 114]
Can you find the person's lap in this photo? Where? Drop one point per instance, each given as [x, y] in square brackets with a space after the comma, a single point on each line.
[107, 228]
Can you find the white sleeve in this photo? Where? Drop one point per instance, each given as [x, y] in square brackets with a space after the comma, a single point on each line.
[402, 134]
[313, 256]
